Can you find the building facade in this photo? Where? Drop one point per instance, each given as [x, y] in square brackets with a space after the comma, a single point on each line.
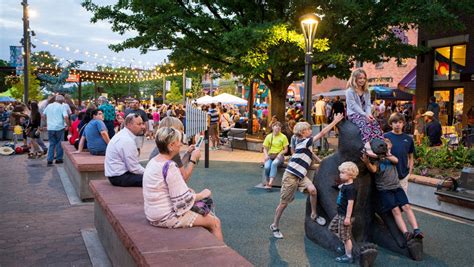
[446, 71]
[386, 74]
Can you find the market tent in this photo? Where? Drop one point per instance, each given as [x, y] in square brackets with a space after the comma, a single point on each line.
[409, 81]
[7, 99]
[382, 92]
[207, 99]
[339, 92]
[229, 99]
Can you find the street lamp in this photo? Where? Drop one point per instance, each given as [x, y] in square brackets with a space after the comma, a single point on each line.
[309, 23]
[26, 49]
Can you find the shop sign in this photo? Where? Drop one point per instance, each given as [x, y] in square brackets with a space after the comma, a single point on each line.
[380, 80]
[73, 78]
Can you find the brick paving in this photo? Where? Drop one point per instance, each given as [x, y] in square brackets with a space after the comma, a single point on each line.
[38, 226]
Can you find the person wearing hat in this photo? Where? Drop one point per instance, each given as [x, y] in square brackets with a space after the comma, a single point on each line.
[432, 129]
[391, 197]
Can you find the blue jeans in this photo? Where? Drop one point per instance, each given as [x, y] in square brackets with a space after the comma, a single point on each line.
[271, 167]
[5, 129]
[110, 128]
[55, 138]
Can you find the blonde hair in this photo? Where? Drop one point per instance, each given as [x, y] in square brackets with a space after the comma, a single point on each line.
[300, 127]
[353, 80]
[172, 122]
[350, 168]
[165, 136]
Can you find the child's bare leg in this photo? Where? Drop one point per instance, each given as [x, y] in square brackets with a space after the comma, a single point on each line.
[278, 212]
[397, 215]
[348, 247]
[313, 196]
[410, 216]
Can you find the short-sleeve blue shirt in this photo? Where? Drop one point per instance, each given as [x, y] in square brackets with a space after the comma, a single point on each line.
[95, 142]
[403, 145]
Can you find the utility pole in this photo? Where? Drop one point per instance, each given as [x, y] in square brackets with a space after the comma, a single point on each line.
[184, 87]
[164, 88]
[26, 50]
[129, 80]
[211, 93]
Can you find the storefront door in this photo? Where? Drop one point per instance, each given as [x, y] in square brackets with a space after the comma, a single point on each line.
[451, 101]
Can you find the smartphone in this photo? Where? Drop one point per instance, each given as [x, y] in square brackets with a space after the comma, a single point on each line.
[199, 141]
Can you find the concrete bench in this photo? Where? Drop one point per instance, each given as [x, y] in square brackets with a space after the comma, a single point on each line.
[82, 168]
[130, 240]
[281, 170]
[423, 191]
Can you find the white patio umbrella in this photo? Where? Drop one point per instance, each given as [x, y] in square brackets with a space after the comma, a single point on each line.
[229, 99]
[207, 99]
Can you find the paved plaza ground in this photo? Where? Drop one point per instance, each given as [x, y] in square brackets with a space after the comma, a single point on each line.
[38, 226]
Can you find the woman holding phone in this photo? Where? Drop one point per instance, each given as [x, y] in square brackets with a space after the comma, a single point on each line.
[190, 158]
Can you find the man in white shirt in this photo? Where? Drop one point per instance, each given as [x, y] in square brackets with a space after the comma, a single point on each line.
[320, 111]
[57, 120]
[121, 164]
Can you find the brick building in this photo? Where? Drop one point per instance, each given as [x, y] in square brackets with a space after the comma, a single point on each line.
[388, 74]
[447, 71]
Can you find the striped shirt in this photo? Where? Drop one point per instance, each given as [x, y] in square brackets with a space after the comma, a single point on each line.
[302, 159]
[214, 116]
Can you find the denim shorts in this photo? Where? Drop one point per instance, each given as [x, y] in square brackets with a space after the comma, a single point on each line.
[390, 199]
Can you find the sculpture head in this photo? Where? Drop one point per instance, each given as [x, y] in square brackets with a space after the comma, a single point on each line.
[350, 142]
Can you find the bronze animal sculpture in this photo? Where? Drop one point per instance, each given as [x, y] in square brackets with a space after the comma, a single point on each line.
[369, 227]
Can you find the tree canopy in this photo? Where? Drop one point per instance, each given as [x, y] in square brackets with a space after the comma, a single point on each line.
[262, 39]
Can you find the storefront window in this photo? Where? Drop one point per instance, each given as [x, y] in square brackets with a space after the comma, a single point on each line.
[459, 61]
[458, 101]
[449, 62]
[442, 98]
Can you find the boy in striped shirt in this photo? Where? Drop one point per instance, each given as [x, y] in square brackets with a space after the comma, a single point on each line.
[295, 174]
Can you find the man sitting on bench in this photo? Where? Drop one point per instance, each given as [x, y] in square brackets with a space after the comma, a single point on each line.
[121, 164]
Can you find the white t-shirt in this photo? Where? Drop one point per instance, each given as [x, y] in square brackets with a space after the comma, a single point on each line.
[320, 108]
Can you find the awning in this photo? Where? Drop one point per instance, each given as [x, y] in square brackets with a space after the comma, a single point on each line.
[409, 81]
[382, 92]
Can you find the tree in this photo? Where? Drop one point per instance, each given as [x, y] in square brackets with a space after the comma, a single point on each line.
[261, 39]
[34, 88]
[175, 95]
[3, 85]
[44, 59]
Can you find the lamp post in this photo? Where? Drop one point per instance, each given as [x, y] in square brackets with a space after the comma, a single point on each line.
[26, 49]
[309, 23]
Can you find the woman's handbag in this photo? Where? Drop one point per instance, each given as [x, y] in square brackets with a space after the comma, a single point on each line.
[203, 206]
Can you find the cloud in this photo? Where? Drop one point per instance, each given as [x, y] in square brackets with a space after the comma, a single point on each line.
[105, 40]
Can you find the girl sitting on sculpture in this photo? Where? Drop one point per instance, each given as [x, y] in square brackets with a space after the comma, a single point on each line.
[359, 109]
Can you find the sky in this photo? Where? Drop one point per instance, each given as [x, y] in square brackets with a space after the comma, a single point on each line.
[63, 28]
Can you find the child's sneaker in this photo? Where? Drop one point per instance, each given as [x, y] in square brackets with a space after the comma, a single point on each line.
[345, 259]
[418, 234]
[276, 232]
[319, 220]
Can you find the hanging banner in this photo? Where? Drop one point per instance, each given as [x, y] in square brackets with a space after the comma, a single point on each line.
[16, 58]
[168, 85]
[189, 83]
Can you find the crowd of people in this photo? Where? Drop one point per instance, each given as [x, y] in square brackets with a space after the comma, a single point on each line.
[118, 133]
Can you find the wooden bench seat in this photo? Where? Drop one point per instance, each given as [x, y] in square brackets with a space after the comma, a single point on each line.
[130, 240]
[82, 168]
